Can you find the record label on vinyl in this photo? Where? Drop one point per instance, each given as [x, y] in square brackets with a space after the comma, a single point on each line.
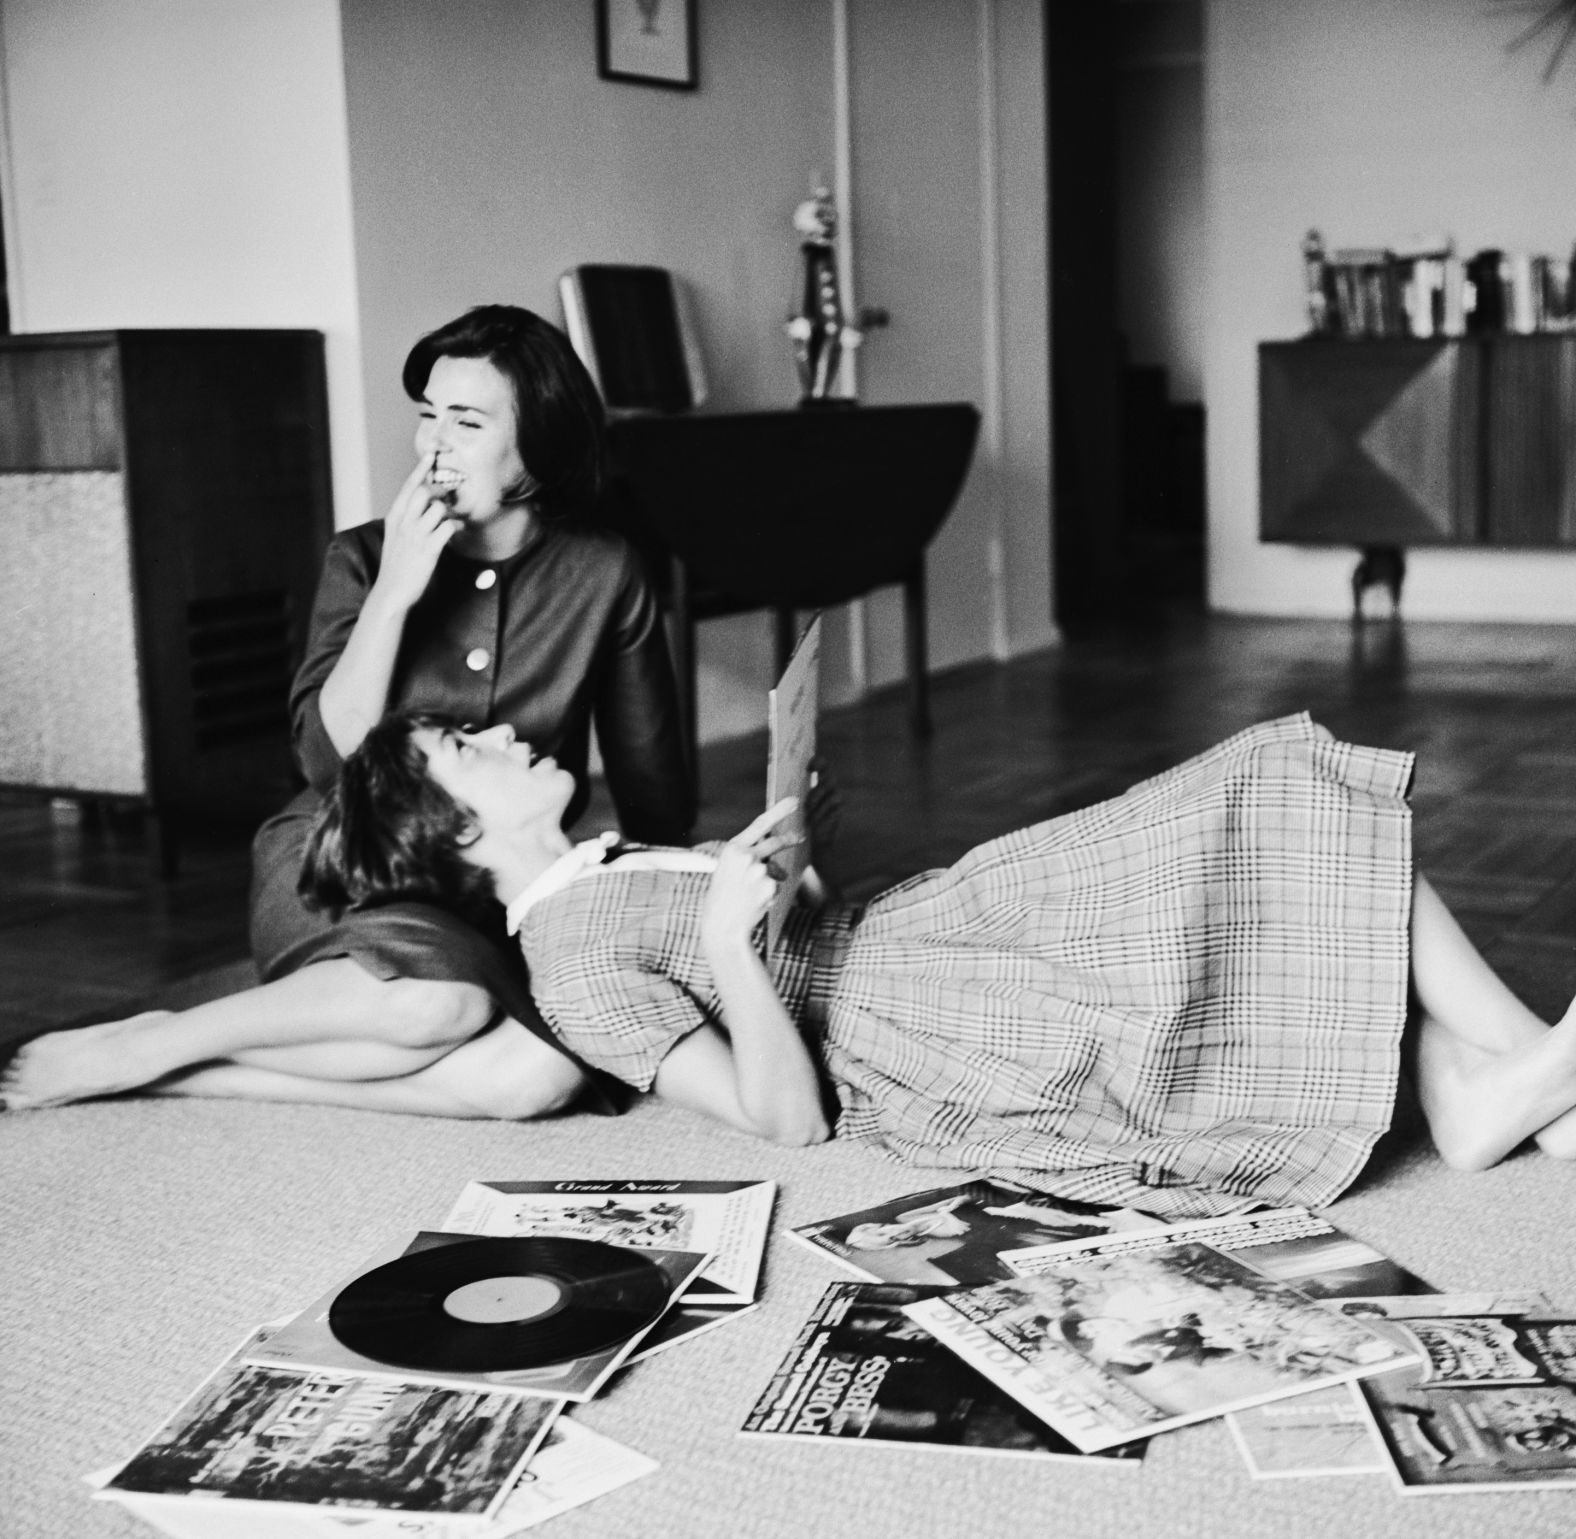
[492, 1304]
[498, 1300]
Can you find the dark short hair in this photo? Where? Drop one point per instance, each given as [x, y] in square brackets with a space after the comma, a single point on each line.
[560, 425]
[387, 832]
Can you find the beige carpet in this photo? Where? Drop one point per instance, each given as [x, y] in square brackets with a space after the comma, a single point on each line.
[141, 1238]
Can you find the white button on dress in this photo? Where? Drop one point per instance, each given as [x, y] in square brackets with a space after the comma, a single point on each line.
[485, 579]
[477, 660]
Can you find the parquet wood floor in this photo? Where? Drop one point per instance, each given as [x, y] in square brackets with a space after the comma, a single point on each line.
[85, 925]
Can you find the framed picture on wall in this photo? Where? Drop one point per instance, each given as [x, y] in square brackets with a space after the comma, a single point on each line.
[650, 42]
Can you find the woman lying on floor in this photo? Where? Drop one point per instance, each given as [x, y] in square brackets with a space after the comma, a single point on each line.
[1187, 999]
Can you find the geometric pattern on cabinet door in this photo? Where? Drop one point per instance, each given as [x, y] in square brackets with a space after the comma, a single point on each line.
[1413, 440]
[1363, 444]
[70, 699]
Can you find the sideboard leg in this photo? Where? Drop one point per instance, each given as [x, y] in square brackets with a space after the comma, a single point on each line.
[1378, 566]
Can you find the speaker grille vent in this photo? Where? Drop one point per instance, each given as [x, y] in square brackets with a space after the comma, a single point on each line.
[239, 647]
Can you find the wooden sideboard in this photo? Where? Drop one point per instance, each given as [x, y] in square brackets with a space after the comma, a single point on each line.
[1447, 441]
[164, 503]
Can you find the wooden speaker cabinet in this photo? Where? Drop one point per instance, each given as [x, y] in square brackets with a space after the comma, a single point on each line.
[164, 503]
[1447, 441]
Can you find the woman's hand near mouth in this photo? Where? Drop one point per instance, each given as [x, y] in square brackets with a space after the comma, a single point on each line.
[418, 526]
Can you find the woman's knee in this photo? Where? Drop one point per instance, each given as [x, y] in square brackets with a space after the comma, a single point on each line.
[512, 1076]
[428, 1013]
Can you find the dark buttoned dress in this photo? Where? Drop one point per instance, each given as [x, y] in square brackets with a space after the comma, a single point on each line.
[564, 634]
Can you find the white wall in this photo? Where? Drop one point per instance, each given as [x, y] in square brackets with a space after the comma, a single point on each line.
[949, 197]
[183, 163]
[487, 158]
[1374, 121]
[372, 167]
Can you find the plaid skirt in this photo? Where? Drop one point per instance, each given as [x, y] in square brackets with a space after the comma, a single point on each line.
[1188, 999]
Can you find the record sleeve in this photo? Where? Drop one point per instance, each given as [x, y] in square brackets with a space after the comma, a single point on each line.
[309, 1341]
[1290, 1245]
[338, 1443]
[1109, 1347]
[728, 1219]
[1323, 1432]
[1442, 1441]
[955, 1234]
[1329, 1432]
[571, 1467]
[684, 1322]
[861, 1371]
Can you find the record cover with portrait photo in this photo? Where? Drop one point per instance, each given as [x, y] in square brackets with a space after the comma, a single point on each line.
[954, 1234]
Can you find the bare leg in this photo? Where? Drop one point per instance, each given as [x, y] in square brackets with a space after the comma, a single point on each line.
[1490, 1073]
[330, 1020]
[1457, 987]
[504, 1073]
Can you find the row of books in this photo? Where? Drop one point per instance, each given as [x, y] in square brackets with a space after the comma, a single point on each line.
[1378, 293]
[1323, 1355]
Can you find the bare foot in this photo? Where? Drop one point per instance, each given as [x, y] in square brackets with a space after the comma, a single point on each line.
[65, 1066]
[1558, 1139]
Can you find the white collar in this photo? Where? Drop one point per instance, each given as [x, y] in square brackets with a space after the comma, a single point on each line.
[569, 865]
[601, 851]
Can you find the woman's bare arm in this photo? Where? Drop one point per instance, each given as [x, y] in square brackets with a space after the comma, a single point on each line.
[759, 1077]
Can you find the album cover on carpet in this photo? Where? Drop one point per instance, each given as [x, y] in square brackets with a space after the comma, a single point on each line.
[955, 1234]
[1324, 1432]
[730, 1220]
[1291, 1245]
[562, 1364]
[1329, 1432]
[684, 1322]
[338, 1443]
[572, 1467]
[1448, 1440]
[1109, 1347]
[861, 1371]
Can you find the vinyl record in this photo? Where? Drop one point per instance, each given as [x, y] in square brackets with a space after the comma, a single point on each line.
[491, 1305]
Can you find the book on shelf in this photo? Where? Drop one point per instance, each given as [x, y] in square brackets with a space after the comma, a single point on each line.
[956, 1234]
[1109, 1346]
[309, 1342]
[339, 1443]
[1377, 292]
[861, 1372]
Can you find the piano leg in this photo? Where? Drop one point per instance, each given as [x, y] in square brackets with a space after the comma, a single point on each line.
[916, 644]
[681, 637]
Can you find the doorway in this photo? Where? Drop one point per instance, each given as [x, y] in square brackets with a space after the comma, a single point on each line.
[1126, 211]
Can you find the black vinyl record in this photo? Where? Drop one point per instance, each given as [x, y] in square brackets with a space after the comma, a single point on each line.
[491, 1305]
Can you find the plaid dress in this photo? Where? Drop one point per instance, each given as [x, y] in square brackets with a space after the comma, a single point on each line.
[1186, 999]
